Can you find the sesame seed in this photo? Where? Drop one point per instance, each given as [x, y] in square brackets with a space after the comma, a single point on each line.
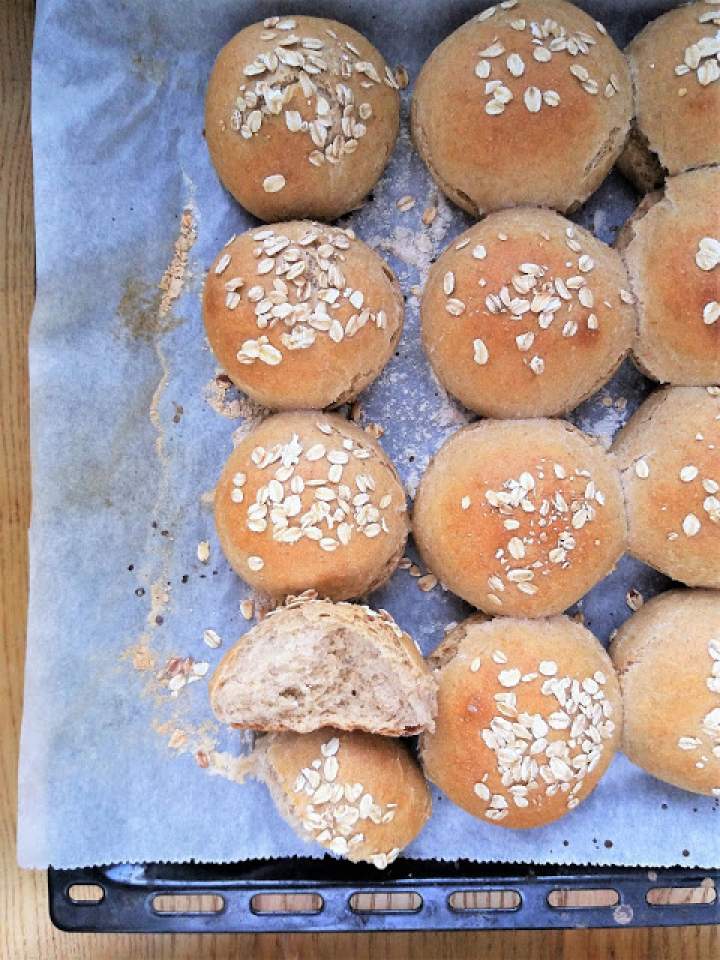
[255, 563]
[691, 525]
[688, 473]
[642, 470]
[480, 352]
[532, 99]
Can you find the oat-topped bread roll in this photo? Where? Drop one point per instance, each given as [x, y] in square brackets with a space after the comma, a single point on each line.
[669, 455]
[526, 314]
[360, 796]
[301, 115]
[671, 247]
[301, 315]
[676, 75]
[668, 659]
[529, 717]
[527, 103]
[310, 501]
[520, 517]
[315, 664]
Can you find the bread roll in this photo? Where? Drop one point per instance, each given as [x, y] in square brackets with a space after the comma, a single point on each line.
[520, 517]
[301, 115]
[529, 717]
[527, 103]
[668, 659]
[669, 455]
[310, 501]
[314, 664]
[301, 315]
[672, 251]
[360, 796]
[526, 314]
[677, 95]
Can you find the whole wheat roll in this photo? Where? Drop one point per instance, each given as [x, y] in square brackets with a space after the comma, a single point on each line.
[526, 314]
[301, 115]
[301, 315]
[529, 718]
[668, 659]
[669, 456]
[520, 517]
[676, 79]
[528, 103]
[310, 501]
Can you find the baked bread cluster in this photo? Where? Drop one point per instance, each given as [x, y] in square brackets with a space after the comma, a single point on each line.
[519, 113]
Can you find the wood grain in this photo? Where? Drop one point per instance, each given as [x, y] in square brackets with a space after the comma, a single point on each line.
[25, 930]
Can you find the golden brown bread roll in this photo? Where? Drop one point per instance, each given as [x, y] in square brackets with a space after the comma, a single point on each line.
[310, 501]
[526, 314]
[520, 518]
[529, 717]
[301, 115]
[301, 315]
[360, 796]
[527, 103]
[668, 658]
[669, 455]
[671, 247]
[676, 76]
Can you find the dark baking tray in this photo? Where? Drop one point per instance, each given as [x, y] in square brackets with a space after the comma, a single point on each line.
[129, 893]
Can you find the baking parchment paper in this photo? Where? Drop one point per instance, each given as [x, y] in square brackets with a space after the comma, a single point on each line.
[132, 421]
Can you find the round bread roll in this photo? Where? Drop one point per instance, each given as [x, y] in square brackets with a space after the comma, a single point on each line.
[527, 103]
[529, 717]
[360, 796]
[313, 664]
[310, 501]
[669, 455]
[668, 658]
[526, 315]
[676, 76]
[671, 247]
[520, 517]
[301, 116]
[301, 315]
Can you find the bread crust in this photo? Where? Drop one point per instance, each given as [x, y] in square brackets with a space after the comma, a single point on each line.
[659, 441]
[675, 133]
[668, 659]
[245, 157]
[486, 550]
[495, 679]
[256, 684]
[546, 347]
[379, 768]
[555, 156]
[252, 538]
[660, 245]
[345, 346]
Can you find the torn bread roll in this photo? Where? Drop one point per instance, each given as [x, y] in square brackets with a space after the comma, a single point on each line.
[314, 664]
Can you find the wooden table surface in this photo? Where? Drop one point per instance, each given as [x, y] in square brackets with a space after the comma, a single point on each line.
[25, 930]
